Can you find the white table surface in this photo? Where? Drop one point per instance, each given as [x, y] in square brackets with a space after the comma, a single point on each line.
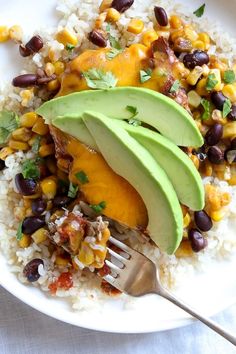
[26, 331]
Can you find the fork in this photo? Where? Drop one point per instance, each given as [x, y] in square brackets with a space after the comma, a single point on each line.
[136, 275]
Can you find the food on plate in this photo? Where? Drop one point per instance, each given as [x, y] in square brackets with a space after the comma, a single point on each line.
[121, 123]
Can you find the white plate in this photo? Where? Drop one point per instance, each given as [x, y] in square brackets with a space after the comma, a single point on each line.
[211, 292]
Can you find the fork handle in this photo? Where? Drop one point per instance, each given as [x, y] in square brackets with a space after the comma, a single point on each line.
[213, 325]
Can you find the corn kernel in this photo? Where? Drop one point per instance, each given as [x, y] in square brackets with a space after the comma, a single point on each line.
[206, 70]
[194, 75]
[205, 38]
[53, 85]
[208, 169]
[184, 209]
[105, 4]
[187, 220]
[62, 261]
[46, 150]
[49, 187]
[184, 250]
[18, 145]
[112, 15]
[200, 45]
[217, 74]
[100, 20]
[4, 152]
[49, 69]
[194, 99]
[67, 37]
[40, 236]
[27, 120]
[201, 87]
[135, 26]
[176, 22]
[230, 92]
[40, 127]
[217, 215]
[26, 96]
[22, 134]
[4, 34]
[86, 255]
[232, 181]
[149, 37]
[190, 34]
[196, 161]
[59, 67]
[16, 33]
[225, 199]
[229, 130]
[25, 241]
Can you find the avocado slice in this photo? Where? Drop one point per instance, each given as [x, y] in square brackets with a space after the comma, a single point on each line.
[134, 163]
[178, 166]
[153, 108]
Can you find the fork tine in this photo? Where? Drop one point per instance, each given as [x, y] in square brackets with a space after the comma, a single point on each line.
[121, 245]
[109, 279]
[112, 266]
[120, 258]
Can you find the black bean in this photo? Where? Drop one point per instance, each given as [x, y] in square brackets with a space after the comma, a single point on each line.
[38, 206]
[203, 220]
[97, 38]
[230, 156]
[218, 99]
[232, 114]
[2, 164]
[25, 80]
[32, 224]
[233, 144]
[122, 5]
[31, 270]
[215, 155]
[198, 242]
[34, 44]
[197, 58]
[25, 186]
[214, 134]
[161, 16]
[61, 201]
[46, 79]
[24, 52]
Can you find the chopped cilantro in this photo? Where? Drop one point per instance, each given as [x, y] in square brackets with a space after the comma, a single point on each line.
[113, 53]
[19, 233]
[145, 75]
[9, 121]
[98, 208]
[134, 122]
[73, 189]
[229, 76]
[30, 169]
[98, 79]
[82, 177]
[211, 82]
[133, 110]
[70, 47]
[113, 41]
[200, 11]
[227, 108]
[36, 144]
[207, 109]
[175, 87]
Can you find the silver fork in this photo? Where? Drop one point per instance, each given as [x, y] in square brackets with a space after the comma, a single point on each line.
[136, 275]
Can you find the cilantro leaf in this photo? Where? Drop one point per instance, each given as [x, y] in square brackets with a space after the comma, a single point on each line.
[211, 82]
[9, 121]
[175, 87]
[134, 122]
[227, 108]
[73, 189]
[98, 79]
[36, 144]
[30, 169]
[229, 76]
[133, 110]
[200, 11]
[82, 177]
[70, 47]
[207, 109]
[145, 75]
[113, 53]
[98, 208]
[113, 41]
[19, 233]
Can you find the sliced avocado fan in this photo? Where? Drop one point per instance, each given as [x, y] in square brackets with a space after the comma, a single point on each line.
[153, 108]
[133, 162]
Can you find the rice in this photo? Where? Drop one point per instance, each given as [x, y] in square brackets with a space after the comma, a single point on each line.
[80, 16]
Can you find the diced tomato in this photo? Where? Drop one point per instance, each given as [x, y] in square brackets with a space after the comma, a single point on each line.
[64, 282]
